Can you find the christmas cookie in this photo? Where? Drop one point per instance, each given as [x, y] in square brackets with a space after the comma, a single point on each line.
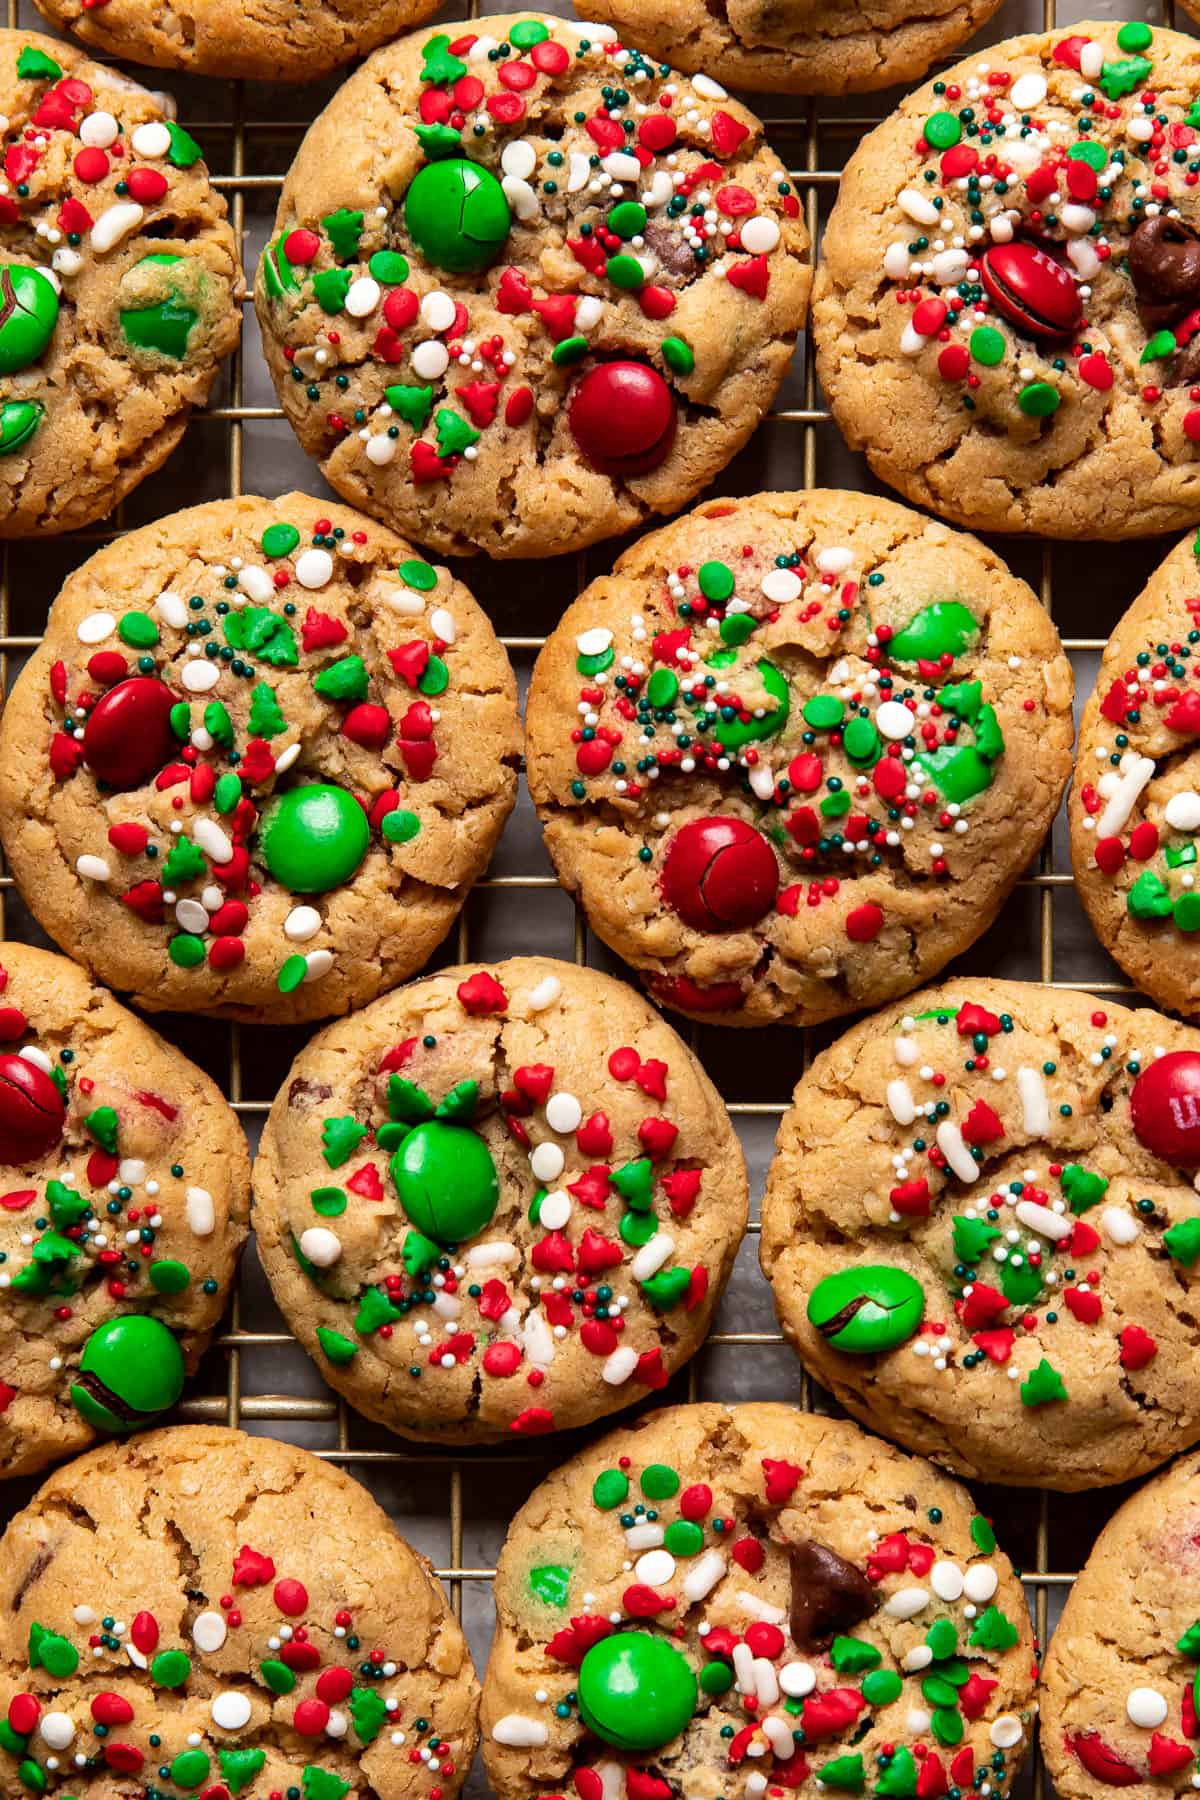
[795, 751]
[250, 39]
[752, 1600]
[528, 287]
[1134, 808]
[207, 1614]
[799, 46]
[501, 1200]
[122, 285]
[124, 1195]
[1009, 297]
[1118, 1706]
[982, 1230]
[261, 755]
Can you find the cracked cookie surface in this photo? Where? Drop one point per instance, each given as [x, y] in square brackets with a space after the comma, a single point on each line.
[501, 1200]
[795, 750]
[525, 262]
[1009, 294]
[1134, 810]
[1117, 1686]
[199, 1610]
[799, 46]
[259, 758]
[126, 1194]
[120, 285]
[750, 1599]
[982, 1233]
[255, 40]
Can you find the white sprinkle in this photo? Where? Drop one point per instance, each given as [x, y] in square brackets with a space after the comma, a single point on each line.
[430, 359]
[781, 585]
[520, 1733]
[57, 1729]
[1136, 773]
[209, 1632]
[951, 1143]
[1034, 1105]
[980, 1583]
[895, 720]
[95, 628]
[1119, 1227]
[907, 1603]
[1043, 1221]
[1028, 91]
[946, 1580]
[115, 222]
[198, 676]
[620, 1365]
[544, 994]
[212, 840]
[314, 568]
[320, 1247]
[705, 86]
[201, 1213]
[760, 235]
[99, 129]
[256, 583]
[1146, 1707]
[1182, 811]
[797, 1679]
[704, 1574]
[92, 868]
[362, 297]
[230, 1710]
[151, 139]
[917, 207]
[191, 916]
[655, 1568]
[900, 1101]
[547, 1162]
[652, 1256]
[171, 610]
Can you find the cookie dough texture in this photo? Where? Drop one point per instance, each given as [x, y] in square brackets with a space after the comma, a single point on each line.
[873, 896]
[266, 41]
[1056, 1343]
[1134, 809]
[619, 1203]
[1088, 431]
[153, 1535]
[826, 1528]
[799, 46]
[149, 297]
[1121, 1664]
[165, 1115]
[316, 698]
[454, 422]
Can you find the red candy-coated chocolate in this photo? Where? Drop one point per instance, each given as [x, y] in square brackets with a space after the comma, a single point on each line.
[622, 416]
[128, 736]
[719, 875]
[32, 1111]
[1165, 1108]
[1031, 290]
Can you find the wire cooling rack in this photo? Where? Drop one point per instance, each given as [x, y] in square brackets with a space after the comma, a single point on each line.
[256, 1376]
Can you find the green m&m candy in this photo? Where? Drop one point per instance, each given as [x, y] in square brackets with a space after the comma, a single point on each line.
[865, 1309]
[164, 322]
[636, 1691]
[19, 419]
[733, 733]
[457, 215]
[313, 838]
[131, 1369]
[28, 315]
[446, 1180]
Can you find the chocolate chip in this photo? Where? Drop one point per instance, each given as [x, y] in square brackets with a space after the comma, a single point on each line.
[1164, 266]
[829, 1594]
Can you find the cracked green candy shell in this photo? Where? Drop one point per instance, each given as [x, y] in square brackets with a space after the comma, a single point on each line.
[313, 838]
[732, 733]
[28, 315]
[139, 1363]
[943, 629]
[636, 1691]
[863, 1310]
[457, 215]
[446, 1180]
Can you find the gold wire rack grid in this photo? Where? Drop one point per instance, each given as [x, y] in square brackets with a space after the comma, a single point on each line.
[240, 443]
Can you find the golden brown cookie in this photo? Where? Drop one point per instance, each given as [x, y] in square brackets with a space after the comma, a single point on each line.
[260, 757]
[1117, 1706]
[261, 41]
[124, 1197]
[502, 1200]
[1007, 307]
[120, 285]
[1134, 809]
[202, 1612]
[514, 305]
[982, 1231]
[798, 46]
[794, 752]
[752, 1600]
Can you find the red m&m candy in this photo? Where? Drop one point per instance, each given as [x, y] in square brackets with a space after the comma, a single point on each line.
[622, 416]
[1031, 290]
[1165, 1106]
[719, 875]
[32, 1111]
[128, 737]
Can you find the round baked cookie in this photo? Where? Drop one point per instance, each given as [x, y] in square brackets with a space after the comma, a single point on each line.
[1006, 313]
[119, 276]
[501, 1200]
[199, 1611]
[1134, 808]
[1118, 1683]
[799, 46]
[982, 1231]
[751, 1599]
[124, 1199]
[796, 750]
[262, 753]
[259, 41]
[528, 288]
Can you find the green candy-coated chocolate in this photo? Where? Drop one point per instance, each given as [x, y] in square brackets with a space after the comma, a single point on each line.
[446, 1180]
[733, 734]
[165, 325]
[313, 838]
[636, 1691]
[131, 1369]
[865, 1309]
[19, 419]
[28, 315]
[457, 215]
[944, 628]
